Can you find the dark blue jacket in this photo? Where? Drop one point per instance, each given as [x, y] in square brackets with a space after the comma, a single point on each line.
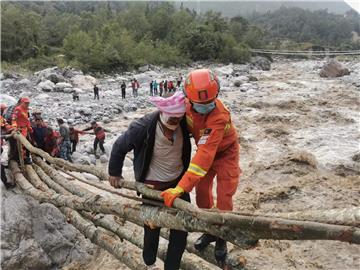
[140, 137]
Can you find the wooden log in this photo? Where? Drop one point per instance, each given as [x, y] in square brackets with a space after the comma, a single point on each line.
[256, 228]
[345, 216]
[135, 236]
[105, 240]
[108, 222]
[74, 167]
[100, 237]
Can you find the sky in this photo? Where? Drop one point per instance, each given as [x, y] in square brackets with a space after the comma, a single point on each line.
[355, 4]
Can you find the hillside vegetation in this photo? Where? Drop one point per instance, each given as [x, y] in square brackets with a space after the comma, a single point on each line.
[120, 36]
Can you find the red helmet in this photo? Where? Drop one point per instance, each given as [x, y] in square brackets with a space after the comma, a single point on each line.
[201, 86]
[25, 100]
[2, 107]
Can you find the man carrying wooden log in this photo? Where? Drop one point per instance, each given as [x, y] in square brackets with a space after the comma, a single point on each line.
[209, 121]
[162, 152]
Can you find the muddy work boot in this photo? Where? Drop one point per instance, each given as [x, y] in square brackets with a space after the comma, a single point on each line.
[203, 241]
[220, 251]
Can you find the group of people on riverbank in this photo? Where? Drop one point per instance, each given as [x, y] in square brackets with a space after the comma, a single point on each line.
[161, 88]
[59, 142]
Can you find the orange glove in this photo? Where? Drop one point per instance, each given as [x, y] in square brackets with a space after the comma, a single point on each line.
[171, 194]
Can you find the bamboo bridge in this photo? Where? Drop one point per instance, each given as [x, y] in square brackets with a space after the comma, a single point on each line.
[107, 222]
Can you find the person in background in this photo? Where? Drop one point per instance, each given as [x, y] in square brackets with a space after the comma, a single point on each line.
[165, 87]
[179, 80]
[135, 86]
[155, 86]
[123, 90]
[39, 133]
[74, 137]
[75, 95]
[96, 92]
[151, 88]
[99, 133]
[161, 88]
[51, 142]
[64, 141]
[5, 129]
[162, 152]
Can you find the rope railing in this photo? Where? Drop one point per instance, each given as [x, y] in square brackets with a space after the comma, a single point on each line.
[305, 53]
[45, 182]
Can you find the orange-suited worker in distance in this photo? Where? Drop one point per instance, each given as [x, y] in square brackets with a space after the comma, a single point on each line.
[20, 121]
[209, 122]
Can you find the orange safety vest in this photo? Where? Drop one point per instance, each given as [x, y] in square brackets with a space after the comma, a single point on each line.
[215, 137]
[20, 120]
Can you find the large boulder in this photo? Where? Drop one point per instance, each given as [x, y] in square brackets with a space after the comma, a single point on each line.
[46, 86]
[45, 73]
[59, 87]
[84, 82]
[37, 236]
[24, 83]
[55, 77]
[260, 62]
[333, 69]
[8, 100]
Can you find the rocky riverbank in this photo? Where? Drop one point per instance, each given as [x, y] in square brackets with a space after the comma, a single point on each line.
[299, 136]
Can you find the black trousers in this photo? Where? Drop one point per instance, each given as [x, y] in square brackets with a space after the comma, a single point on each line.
[96, 95]
[123, 93]
[73, 146]
[101, 144]
[176, 246]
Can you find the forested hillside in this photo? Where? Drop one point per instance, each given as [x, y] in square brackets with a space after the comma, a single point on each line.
[112, 36]
[317, 27]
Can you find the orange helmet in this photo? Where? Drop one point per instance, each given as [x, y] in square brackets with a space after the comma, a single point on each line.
[201, 86]
[2, 107]
[25, 100]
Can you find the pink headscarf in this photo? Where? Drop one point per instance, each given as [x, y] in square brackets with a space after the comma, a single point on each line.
[173, 105]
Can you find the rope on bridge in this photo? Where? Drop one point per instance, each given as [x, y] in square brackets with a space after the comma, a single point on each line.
[305, 53]
[99, 217]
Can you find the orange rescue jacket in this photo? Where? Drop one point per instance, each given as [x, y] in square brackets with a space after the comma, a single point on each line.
[214, 133]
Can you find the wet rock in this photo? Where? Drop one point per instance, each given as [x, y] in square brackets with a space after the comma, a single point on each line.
[6, 83]
[68, 90]
[71, 72]
[59, 87]
[356, 157]
[37, 236]
[144, 68]
[24, 83]
[83, 82]
[55, 77]
[333, 68]
[261, 63]
[238, 83]
[106, 120]
[42, 97]
[252, 78]
[103, 159]
[45, 73]
[46, 86]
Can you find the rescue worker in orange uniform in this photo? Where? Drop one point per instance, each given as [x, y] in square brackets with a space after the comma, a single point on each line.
[20, 121]
[209, 122]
